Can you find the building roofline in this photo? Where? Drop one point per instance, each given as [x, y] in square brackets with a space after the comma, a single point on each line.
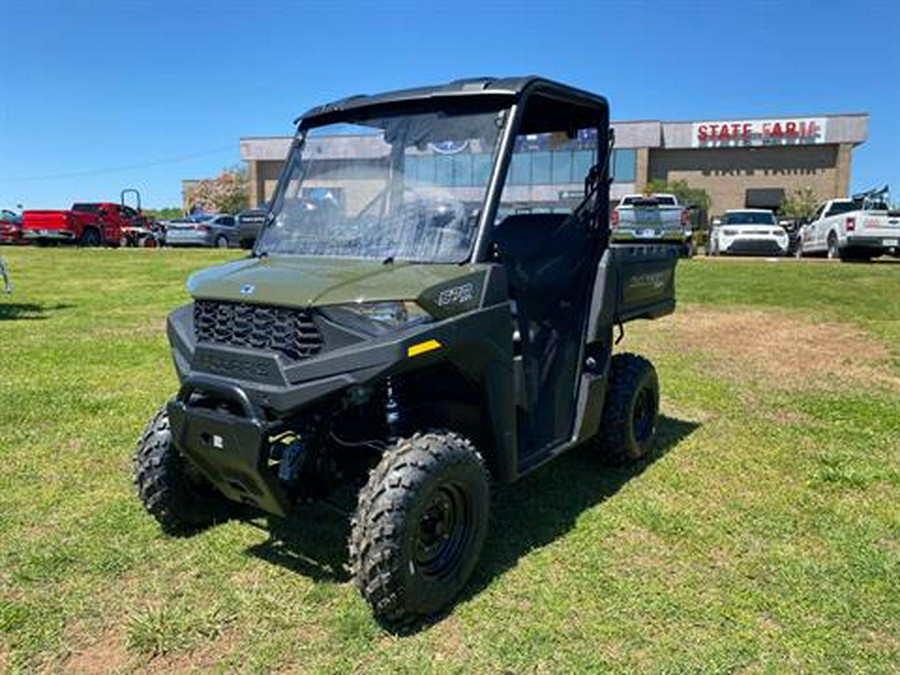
[764, 117]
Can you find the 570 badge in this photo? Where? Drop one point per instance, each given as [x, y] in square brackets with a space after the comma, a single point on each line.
[456, 295]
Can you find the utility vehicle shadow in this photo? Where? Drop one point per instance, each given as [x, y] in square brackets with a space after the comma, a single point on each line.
[312, 542]
[543, 506]
[526, 515]
[27, 311]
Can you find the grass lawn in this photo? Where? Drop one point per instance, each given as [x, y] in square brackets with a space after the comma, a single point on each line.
[763, 534]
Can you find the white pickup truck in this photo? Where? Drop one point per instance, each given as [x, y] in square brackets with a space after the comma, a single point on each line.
[859, 228]
[652, 218]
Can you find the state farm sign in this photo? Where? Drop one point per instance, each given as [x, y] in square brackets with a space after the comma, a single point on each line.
[740, 133]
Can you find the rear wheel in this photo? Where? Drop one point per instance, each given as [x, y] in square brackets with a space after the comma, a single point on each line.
[631, 410]
[90, 238]
[419, 526]
[221, 241]
[834, 251]
[170, 488]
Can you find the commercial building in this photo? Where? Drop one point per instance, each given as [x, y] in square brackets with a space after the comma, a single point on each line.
[752, 162]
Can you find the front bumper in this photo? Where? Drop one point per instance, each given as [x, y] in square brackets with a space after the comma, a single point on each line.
[754, 245]
[231, 450]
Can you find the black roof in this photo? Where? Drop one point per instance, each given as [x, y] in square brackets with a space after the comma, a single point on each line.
[506, 87]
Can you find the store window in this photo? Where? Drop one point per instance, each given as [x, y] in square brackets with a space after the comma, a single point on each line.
[444, 170]
[520, 169]
[462, 170]
[623, 165]
[561, 167]
[582, 161]
[481, 168]
[541, 168]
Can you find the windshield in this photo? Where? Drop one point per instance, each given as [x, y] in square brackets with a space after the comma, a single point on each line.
[648, 200]
[842, 207]
[405, 187]
[750, 218]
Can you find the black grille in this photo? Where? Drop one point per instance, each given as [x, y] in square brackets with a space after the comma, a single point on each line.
[755, 246]
[289, 331]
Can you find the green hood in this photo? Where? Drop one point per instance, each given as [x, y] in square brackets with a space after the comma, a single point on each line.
[295, 281]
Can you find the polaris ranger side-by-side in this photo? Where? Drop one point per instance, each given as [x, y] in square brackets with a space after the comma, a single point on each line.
[398, 314]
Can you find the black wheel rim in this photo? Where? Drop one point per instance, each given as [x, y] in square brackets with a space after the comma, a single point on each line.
[642, 417]
[442, 531]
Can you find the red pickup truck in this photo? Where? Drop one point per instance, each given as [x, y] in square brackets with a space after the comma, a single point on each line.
[10, 227]
[86, 224]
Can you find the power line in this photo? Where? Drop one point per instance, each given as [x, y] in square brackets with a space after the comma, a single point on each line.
[127, 167]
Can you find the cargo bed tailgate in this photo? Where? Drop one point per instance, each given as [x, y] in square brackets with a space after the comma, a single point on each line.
[635, 281]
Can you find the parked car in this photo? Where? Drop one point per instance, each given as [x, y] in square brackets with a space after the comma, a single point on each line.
[86, 224]
[748, 231]
[219, 230]
[10, 227]
[249, 224]
[653, 218]
[859, 228]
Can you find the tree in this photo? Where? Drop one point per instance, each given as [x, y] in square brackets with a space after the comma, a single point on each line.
[227, 193]
[800, 204]
[167, 213]
[697, 198]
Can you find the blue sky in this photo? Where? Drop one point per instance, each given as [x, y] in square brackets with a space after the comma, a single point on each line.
[96, 96]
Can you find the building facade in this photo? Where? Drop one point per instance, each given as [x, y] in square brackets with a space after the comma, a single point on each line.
[741, 163]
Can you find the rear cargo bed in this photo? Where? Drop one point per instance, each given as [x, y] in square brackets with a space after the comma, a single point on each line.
[635, 281]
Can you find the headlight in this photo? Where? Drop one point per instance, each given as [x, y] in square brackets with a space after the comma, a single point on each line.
[729, 233]
[377, 318]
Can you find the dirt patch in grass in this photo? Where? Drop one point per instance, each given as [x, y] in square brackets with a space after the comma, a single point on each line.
[784, 351]
[106, 654]
[205, 657]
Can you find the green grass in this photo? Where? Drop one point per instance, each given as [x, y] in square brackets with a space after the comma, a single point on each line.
[763, 535]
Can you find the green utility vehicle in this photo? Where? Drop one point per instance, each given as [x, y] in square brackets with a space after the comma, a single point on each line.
[400, 324]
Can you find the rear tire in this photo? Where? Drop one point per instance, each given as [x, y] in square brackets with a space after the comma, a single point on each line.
[834, 251]
[630, 412]
[90, 238]
[169, 487]
[221, 241]
[419, 526]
